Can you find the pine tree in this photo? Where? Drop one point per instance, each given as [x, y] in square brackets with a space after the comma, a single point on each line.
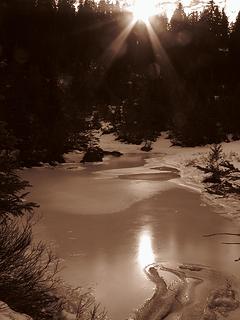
[80, 4]
[12, 187]
[179, 19]
[46, 5]
[193, 18]
[102, 7]
[233, 113]
[236, 26]
[116, 6]
[160, 24]
[224, 27]
[23, 5]
[90, 5]
[66, 6]
[235, 39]
[207, 16]
[215, 21]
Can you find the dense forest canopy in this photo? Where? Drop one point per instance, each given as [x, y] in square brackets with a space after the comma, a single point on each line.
[60, 66]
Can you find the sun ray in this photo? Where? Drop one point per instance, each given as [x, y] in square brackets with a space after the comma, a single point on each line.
[165, 67]
[116, 46]
[162, 60]
[161, 56]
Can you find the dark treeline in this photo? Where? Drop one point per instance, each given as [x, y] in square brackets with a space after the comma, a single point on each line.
[59, 66]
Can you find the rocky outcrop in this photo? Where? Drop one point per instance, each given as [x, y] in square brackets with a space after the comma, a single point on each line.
[7, 313]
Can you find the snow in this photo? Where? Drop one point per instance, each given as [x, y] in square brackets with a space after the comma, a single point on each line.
[108, 142]
[183, 159]
[196, 293]
[163, 154]
[73, 157]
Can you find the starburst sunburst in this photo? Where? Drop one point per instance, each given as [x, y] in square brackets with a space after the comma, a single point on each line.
[142, 11]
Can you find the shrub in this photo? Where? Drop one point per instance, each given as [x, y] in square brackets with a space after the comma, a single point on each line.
[28, 273]
[222, 176]
[12, 195]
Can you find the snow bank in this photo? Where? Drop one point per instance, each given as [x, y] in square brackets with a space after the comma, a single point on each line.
[183, 159]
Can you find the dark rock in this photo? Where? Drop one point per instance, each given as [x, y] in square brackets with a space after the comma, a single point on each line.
[113, 153]
[94, 154]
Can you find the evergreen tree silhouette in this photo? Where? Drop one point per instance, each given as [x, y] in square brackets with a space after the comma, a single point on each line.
[178, 19]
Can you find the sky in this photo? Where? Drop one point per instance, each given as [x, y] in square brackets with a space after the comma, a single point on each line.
[232, 7]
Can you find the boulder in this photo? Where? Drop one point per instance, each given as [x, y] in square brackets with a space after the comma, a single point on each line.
[113, 153]
[93, 154]
[96, 154]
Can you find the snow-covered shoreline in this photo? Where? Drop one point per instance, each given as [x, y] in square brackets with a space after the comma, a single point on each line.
[163, 154]
[185, 159]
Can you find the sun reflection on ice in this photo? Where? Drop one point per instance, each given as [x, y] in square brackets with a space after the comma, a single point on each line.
[145, 251]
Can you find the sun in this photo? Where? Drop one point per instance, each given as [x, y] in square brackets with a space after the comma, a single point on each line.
[143, 9]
